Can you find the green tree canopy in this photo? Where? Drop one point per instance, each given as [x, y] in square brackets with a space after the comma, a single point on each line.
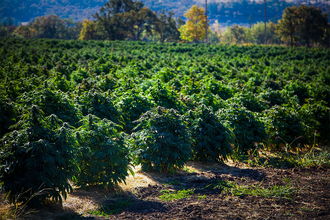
[311, 24]
[167, 27]
[304, 24]
[238, 33]
[287, 26]
[120, 19]
[3, 31]
[50, 26]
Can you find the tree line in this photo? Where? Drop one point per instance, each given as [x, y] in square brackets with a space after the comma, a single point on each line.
[301, 25]
[131, 20]
[116, 20]
[238, 11]
[50, 26]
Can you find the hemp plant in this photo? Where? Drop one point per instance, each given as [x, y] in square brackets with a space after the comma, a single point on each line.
[161, 140]
[211, 139]
[37, 154]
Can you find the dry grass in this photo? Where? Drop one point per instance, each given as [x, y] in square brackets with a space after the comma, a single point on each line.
[4, 206]
[81, 201]
[140, 179]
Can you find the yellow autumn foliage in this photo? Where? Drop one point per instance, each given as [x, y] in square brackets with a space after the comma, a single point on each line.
[88, 31]
[194, 29]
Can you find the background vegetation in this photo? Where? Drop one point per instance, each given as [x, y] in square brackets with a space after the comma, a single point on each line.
[132, 20]
[226, 12]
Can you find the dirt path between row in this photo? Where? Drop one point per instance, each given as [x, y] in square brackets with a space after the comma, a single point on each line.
[311, 199]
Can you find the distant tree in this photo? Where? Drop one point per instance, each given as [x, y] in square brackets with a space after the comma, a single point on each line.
[110, 18]
[167, 27]
[50, 26]
[272, 36]
[194, 29]
[251, 20]
[305, 24]
[258, 31]
[274, 19]
[11, 29]
[214, 37]
[288, 25]
[3, 31]
[311, 24]
[73, 32]
[25, 31]
[68, 22]
[180, 22]
[226, 36]
[238, 33]
[248, 33]
[326, 37]
[88, 31]
[135, 22]
[8, 23]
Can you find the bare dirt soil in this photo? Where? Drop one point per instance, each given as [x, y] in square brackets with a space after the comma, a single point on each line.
[311, 201]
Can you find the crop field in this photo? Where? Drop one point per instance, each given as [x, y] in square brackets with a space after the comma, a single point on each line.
[220, 131]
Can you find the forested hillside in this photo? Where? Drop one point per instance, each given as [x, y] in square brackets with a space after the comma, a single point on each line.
[226, 12]
[24, 11]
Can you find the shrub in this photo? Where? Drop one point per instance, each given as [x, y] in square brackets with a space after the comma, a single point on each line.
[8, 116]
[283, 121]
[211, 138]
[132, 106]
[104, 158]
[162, 96]
[161, 140]
[99, 105]
[248, 130]
[316, 117]
[58, 103]
[36, 157]
[249, 101]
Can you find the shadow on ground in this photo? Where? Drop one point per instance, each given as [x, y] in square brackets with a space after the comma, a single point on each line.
[198, 175]
[95, 203]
